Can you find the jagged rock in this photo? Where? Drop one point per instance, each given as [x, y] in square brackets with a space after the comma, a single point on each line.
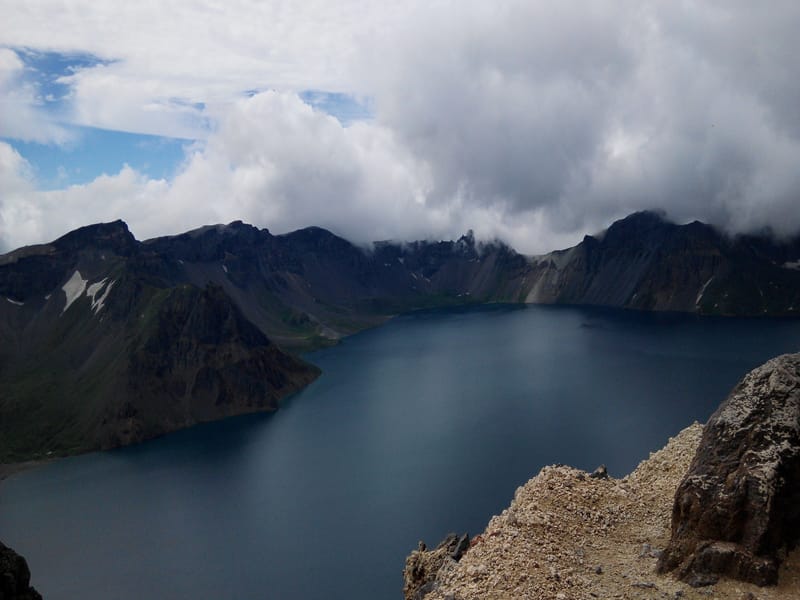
[600, 473]
[15, 577]
[423, 566]
[461, 547]
[737, 511]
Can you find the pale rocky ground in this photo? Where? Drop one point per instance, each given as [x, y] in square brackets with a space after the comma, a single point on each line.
[567, 536]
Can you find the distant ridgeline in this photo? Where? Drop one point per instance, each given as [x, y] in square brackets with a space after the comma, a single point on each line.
[105, 340]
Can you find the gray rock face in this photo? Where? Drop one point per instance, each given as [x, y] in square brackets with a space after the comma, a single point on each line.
[644, 262]
[737, 511]
[15, 578]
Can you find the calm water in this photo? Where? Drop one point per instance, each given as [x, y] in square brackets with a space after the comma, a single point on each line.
[424, 426]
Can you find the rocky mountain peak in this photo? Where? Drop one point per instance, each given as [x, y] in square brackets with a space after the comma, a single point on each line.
[114, 236]
[637, 225]
[210, 242]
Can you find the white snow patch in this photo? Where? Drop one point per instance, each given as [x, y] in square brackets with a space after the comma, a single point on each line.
[401, 260]
[794, 265]
[15, 302]
[98, 304]
[224, 268]
[73, 289]
[47, 297]
[94, 289]
[702, 291]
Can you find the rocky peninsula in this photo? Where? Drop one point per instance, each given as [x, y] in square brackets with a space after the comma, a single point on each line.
[568, 535]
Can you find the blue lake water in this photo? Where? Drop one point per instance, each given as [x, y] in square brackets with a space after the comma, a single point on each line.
[417, 428]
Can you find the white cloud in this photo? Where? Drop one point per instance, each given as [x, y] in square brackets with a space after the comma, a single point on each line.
[534, 121]
[167, 57]
[29, 216]
[574, 114]
[20, 219]
[274, 162]
[19, 104]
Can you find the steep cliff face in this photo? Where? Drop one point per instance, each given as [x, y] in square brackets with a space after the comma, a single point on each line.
[644, 262]
[15, 577]
[102, 347]
[196, 359]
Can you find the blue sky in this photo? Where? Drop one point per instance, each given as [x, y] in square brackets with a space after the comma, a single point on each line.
[94, 152]
[91, 152]
[45, 67]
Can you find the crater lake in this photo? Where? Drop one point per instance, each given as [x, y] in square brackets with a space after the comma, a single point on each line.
[420, 427]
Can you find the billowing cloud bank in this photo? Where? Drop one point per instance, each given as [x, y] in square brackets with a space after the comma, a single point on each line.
[533, 121]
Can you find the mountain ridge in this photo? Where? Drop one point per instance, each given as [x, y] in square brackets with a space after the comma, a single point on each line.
[644, 262]
[96, 322]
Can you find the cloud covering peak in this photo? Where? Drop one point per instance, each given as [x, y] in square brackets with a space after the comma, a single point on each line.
[535, 122]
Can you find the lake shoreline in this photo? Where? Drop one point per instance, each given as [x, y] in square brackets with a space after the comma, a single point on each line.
[10, 469]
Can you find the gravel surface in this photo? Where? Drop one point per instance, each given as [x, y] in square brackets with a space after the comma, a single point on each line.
[568, 536]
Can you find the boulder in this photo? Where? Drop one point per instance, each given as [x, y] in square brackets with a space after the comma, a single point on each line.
[15, 577]
[600, 472]
[737, 511]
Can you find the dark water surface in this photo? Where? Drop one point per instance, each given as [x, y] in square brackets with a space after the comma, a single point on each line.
[424, 426]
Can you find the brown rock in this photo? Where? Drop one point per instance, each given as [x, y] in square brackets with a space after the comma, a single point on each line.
[422, 565]
[737, 510]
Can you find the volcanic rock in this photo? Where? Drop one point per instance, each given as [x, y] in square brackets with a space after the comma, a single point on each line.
[737, 510]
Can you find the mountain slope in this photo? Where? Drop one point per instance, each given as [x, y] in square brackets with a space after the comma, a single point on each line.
[101, 347]
[106, 341]
[644, 262]
[310, 287]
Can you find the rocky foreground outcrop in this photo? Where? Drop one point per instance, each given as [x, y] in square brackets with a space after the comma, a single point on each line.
[15, 578]
[719, 505]
[737, 511]
[423, 566]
